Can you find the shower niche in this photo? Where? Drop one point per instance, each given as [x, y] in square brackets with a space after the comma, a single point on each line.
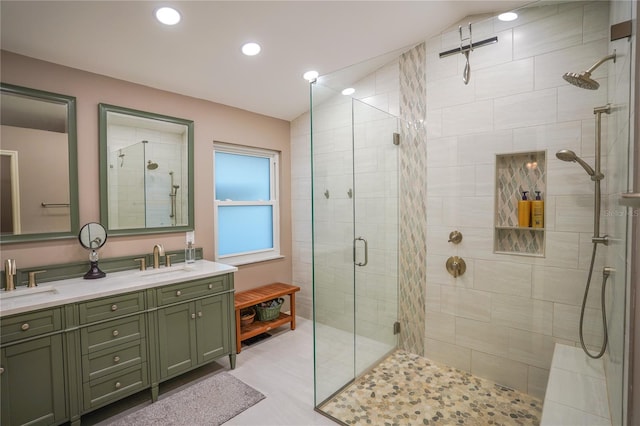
[515, 173]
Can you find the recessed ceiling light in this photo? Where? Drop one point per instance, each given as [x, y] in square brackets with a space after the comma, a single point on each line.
[168, 15]
[348, 91]
[251, 49]
[508, 16]
[310, 75]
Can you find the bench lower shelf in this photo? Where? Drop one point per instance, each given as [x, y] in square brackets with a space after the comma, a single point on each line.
[259, 327]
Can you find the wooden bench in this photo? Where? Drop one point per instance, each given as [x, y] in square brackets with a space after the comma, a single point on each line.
[245, 299]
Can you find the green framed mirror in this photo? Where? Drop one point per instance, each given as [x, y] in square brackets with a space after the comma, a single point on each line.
[146, 172]
[39, 190]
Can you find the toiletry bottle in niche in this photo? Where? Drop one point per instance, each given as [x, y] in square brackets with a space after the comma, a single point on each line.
[189, 253]
[524, 211]
[537, 212]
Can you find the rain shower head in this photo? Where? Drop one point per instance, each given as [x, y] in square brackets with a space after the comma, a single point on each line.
[151, 165]
[583, 80]
[568, 155]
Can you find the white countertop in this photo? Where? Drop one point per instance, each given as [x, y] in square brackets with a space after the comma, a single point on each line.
[56, 293]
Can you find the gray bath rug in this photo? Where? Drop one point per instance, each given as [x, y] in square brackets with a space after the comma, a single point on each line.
[210, 402]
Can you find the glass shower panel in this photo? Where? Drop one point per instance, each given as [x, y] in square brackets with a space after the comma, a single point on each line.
[333, 233]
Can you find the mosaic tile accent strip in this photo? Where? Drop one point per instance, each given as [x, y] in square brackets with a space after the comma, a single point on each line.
[413, 211]
[406, 389]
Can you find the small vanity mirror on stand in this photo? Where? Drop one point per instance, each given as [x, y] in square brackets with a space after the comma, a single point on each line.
[93, 236]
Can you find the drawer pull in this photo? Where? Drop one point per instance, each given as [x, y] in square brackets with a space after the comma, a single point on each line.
[116, 359]
[193, 316]
[114, 307]
[25, 326]
[210, 286]
[118, 385]
[115, 333]
[1, 370]
[178, 293]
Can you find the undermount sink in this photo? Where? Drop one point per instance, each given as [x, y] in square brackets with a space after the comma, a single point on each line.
[25, 292]
[178, 269]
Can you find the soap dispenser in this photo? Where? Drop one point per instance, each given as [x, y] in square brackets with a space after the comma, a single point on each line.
[524, 211]
[537, 212]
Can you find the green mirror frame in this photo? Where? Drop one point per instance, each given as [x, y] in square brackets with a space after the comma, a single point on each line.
[103, 112]
[74, 215]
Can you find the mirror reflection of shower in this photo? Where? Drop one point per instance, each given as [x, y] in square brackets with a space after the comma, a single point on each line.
[141, 170]
[172, 196]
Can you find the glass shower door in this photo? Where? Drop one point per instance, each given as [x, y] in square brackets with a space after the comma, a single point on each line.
[375, 177]
[354, 208]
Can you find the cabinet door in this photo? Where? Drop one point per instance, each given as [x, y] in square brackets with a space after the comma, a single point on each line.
[33, 387]
[212, 327]
[177, 339]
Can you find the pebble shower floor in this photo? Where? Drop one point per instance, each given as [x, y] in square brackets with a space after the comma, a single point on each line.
[407, 389]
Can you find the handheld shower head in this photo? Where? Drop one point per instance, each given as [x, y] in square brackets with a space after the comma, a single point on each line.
[568, 155]
[583, 80]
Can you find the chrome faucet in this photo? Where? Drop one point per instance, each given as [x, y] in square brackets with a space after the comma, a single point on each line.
[9, 274]
[158, 251]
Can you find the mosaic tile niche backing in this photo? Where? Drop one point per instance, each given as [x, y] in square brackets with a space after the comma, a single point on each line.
[516, 173]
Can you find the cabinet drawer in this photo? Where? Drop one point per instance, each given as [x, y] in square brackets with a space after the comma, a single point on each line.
[192, 289]
[111, 307]
[115, 386]
[31, 324]
[112, 333]
[102, 363]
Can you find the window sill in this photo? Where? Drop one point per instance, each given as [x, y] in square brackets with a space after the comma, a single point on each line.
[249, 260]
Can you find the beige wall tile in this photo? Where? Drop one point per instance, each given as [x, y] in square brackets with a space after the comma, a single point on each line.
[501, 370]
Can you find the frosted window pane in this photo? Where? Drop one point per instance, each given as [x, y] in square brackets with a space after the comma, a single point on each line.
[241, 177]
[244, 228]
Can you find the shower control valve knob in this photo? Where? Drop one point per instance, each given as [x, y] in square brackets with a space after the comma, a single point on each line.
[456, 266]
[455, 237]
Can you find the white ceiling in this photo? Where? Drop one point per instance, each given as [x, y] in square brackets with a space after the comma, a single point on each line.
[201, 56]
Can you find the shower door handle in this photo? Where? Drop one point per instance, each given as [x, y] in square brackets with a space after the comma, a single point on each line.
[366, 252]
[630, 199]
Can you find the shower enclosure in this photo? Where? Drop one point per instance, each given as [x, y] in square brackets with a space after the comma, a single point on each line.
[518, 301]
[355, 237]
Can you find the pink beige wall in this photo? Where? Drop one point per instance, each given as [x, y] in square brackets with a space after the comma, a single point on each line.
[212, 121]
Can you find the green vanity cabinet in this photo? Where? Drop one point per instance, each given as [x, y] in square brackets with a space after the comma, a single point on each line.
[32, 369]
[197, 329]
[62, 362]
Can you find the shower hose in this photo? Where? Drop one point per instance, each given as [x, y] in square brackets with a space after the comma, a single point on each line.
[605, 276]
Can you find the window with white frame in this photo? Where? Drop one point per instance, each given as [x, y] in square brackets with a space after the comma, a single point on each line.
[246, 216]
